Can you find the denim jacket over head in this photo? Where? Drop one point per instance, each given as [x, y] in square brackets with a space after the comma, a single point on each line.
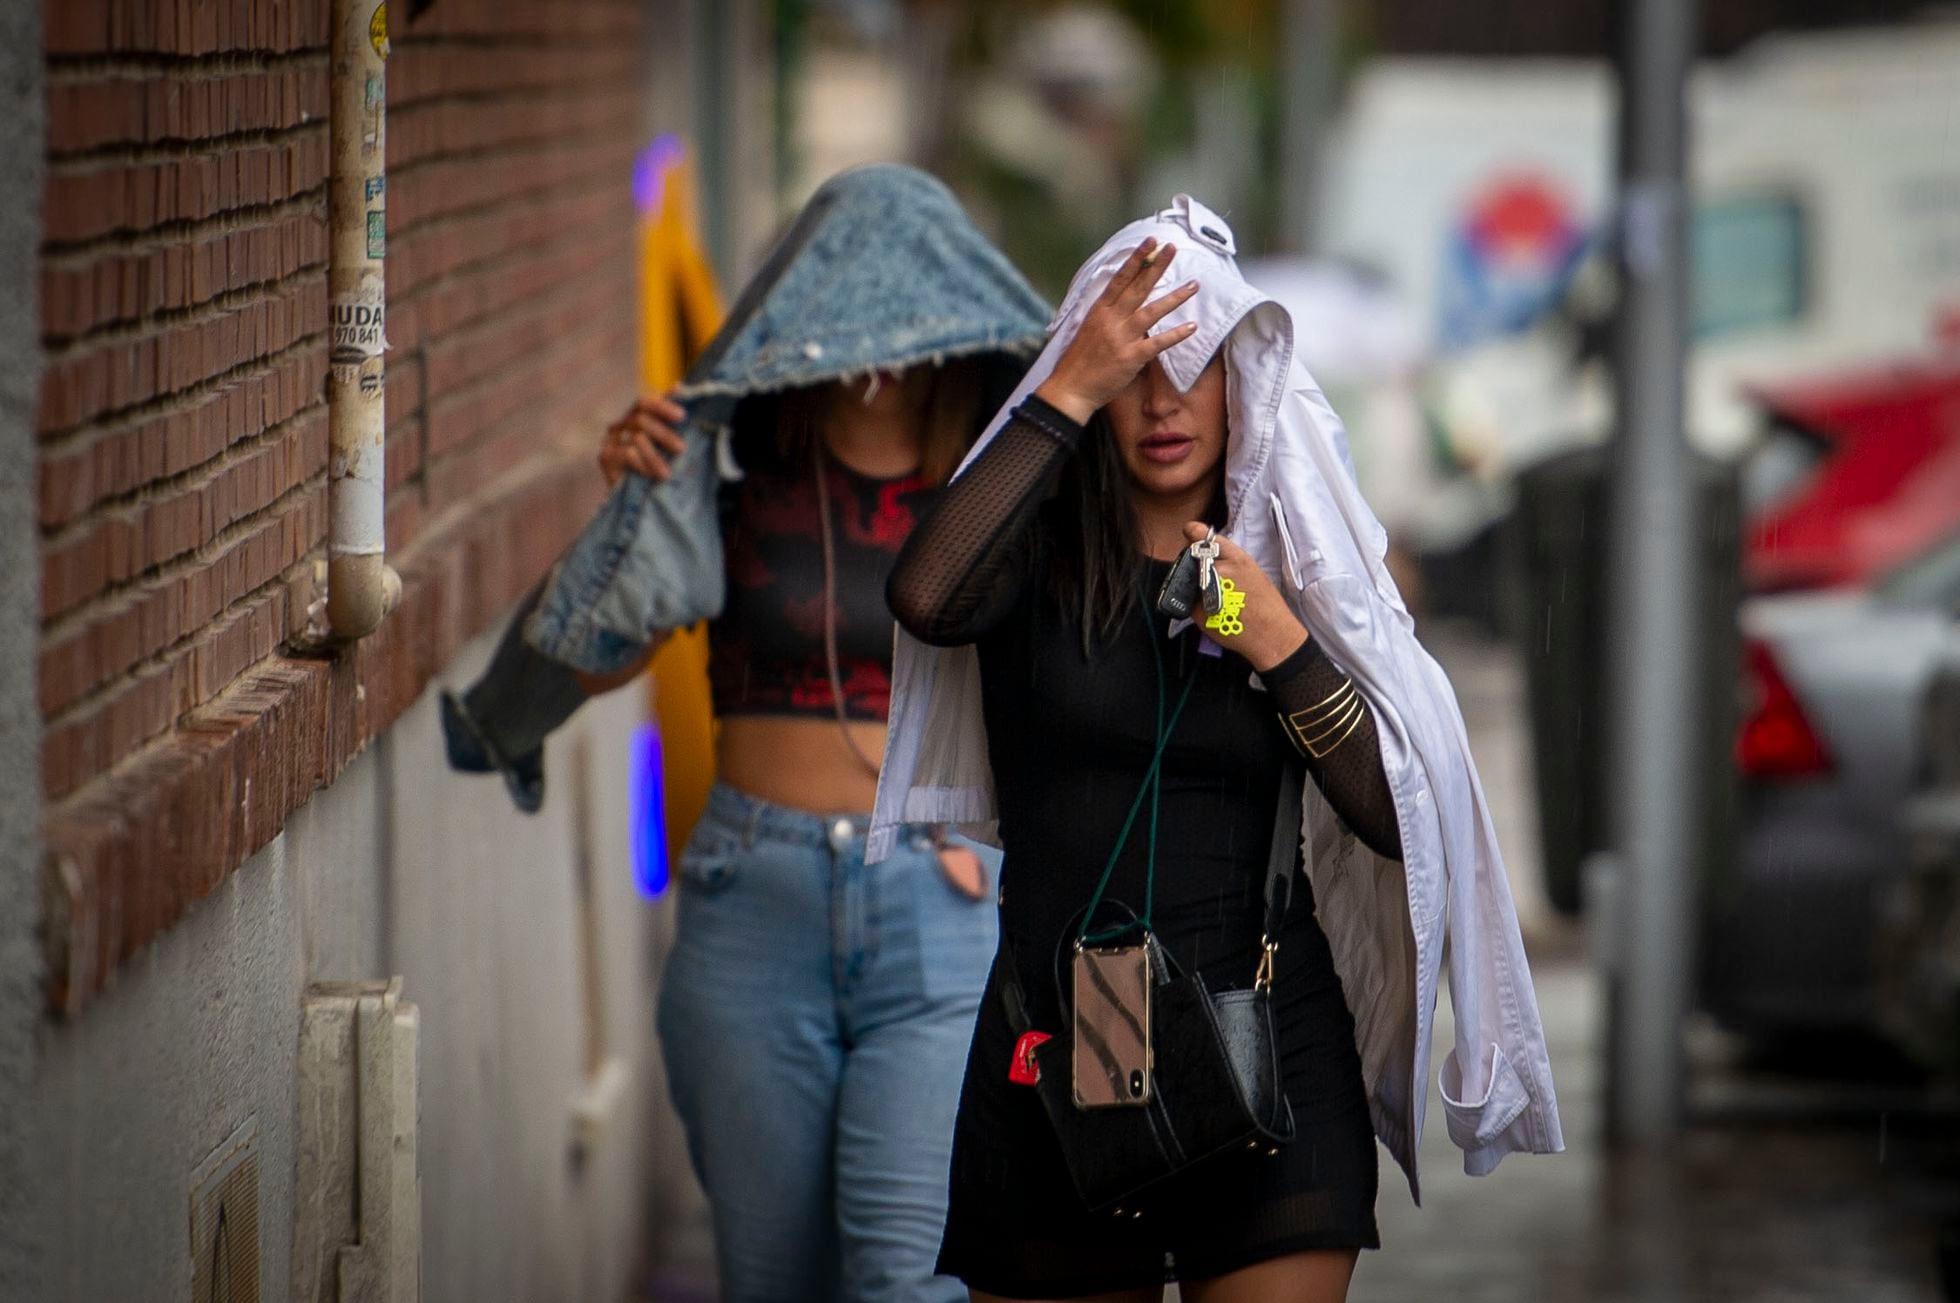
[1295, 507]
[882, 270]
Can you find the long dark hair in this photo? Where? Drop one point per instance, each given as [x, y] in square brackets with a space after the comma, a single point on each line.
[1087, 535]
[964, 392]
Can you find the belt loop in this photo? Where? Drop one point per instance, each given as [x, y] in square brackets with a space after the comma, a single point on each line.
[749, 829]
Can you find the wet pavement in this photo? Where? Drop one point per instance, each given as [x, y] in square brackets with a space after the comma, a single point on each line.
[1800, 1192]
[1790, 1186]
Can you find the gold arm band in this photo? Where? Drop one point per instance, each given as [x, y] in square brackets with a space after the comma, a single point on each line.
[1335, 704]
[1330, 733]
[1336, 716]
[1322, 752]
[1310, 743]
[1312, 740]
[1292, 732]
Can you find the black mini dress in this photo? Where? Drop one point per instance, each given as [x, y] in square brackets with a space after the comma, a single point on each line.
[1070, 736]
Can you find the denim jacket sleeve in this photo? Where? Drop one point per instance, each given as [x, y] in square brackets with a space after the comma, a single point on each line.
[650, 561]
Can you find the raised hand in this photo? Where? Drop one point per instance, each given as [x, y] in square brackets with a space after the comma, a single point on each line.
[1114, 341]
[642, 440]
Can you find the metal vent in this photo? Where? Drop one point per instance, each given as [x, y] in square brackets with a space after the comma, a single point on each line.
[225, 1221]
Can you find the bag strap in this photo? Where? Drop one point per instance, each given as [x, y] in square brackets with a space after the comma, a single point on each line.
[1152, 787]
[1281, 862]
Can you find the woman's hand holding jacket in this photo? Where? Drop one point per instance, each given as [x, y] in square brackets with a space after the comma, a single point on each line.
[642, 440]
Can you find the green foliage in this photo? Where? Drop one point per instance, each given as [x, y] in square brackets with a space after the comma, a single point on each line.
[1188, 40]
[790, 26]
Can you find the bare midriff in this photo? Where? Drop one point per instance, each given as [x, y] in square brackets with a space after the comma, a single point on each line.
[803, 763]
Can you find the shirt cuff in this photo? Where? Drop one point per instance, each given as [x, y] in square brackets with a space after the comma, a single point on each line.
[1050, 420]
[1305, 658]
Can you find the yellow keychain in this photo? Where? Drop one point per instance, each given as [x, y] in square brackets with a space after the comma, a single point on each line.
[1226, 624]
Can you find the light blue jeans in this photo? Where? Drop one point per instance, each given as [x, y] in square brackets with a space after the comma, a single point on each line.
[815, 1020]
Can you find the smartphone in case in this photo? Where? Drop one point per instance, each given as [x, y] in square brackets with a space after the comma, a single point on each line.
[1112, 1027]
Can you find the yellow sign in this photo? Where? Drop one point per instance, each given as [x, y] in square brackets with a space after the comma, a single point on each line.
[679, 312]
[378, 30]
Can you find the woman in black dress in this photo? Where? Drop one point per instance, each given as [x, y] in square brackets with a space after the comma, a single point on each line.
[1046, 552]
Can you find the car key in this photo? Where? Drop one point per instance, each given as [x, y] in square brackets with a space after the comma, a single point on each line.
[1178, 598]
[1210, 591]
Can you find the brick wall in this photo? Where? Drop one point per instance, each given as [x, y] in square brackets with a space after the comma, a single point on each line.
[182, 430]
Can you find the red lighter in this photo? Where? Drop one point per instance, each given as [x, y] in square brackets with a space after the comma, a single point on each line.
[1024, 1071]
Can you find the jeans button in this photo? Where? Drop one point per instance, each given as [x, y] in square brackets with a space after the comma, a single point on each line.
[841, 833]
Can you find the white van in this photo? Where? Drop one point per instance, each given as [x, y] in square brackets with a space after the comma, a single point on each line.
[1826, 226]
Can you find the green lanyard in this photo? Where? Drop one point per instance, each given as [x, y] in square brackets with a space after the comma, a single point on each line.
[1153, 783]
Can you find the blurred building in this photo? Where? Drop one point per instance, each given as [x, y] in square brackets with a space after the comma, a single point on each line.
[230, 827]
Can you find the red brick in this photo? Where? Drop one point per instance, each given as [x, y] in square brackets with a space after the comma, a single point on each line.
[183, 27]
[76, 27]
[94, 645]
[157, 833]
[520, 331]
[181, 485]
[426, 131]
[554, 20]
[78, 474]
[481, 241]
[443, 188]
[81, 293]
[594, 380]
[86, 201]
[460, 415]
[439, 70]
[116, 109]
[116, 547]
[95, 380]
[84, 746]
[408, 516]
[140, 846]
[86, 738]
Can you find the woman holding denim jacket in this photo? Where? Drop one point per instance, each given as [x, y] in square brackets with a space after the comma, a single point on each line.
[815, 1010]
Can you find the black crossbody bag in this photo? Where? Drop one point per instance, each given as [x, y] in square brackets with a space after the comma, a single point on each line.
[1215, 1085]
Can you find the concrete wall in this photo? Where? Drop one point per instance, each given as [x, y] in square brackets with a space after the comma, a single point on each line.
[20, 723]
[400, 867]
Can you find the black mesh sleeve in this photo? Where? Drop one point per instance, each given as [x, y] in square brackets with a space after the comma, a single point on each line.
[962, 568]
[1330, 723]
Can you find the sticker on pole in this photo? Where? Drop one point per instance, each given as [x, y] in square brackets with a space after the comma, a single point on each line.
[358, 326]
[378, 30]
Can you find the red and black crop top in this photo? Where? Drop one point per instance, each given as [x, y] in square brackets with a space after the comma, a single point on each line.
[766, 651]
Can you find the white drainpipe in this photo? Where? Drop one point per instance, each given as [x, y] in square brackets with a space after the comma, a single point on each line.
[361, 589]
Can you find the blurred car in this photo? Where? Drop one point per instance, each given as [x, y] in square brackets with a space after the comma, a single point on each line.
[1827, 754]
[1855, 475]
[1919, 926]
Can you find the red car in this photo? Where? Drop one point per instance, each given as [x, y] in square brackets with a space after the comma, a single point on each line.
[1861, 473]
